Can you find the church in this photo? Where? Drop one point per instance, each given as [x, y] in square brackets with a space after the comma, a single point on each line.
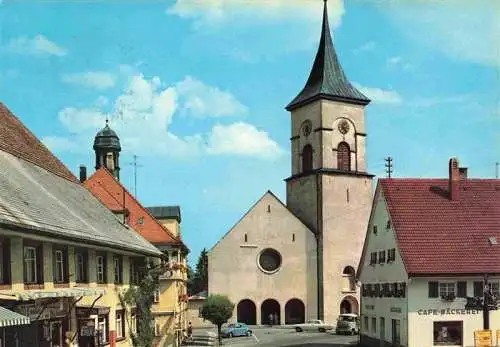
[287, 263]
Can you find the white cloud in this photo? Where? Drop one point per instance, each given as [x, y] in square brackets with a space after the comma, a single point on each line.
[143, 113]
[461, 29]
[201, 100]
[243, 139]
[380, 96]
[38, 45]
[368, 46]
[394, 60]
[93, 79]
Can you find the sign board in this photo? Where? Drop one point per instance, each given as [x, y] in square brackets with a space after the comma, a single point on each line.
[87, 331]
[482, 338]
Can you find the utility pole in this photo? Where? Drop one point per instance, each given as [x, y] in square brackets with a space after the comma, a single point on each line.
[135, 165]
[388, 166]
[496, 169]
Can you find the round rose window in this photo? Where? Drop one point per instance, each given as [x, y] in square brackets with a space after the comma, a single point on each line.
[270, 260]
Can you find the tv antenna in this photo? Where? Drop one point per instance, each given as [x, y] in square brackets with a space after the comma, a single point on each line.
[135, 165]
[388, 166]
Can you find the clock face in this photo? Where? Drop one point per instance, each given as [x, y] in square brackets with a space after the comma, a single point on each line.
[306, 128]
[343, 126]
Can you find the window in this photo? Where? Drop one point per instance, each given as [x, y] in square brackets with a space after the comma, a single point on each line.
[448, 333]
[375, 229]
[60, 263]
[140, 221]
[102, 327]
[293, 237]
[156, 298]
[270, 260]
[433, 289]
[365, 323]
[374, 325]
[120, 324]
[81, 264]
[396, 332]
[343, 157]
[134, 267]
[307, 158]
[4, 261]
[461, 289]
[391, 255]
[446, 288]
[118, 269]
[381, 257]
[246, 238]
[495, 290]
[31, 264]
[478, 288]
[101, 268]
[373, 258]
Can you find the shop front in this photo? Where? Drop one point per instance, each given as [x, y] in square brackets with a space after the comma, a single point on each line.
[93, 326]
[10, 322]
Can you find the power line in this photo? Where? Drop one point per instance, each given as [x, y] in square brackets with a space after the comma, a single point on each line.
[135, 165]
[388, 166]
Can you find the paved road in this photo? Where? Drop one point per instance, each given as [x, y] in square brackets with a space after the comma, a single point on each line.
[286, 337]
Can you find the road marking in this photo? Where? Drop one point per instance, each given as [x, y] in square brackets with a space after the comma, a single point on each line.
[255, 337]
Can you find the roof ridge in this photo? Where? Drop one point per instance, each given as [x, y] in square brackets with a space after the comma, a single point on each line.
[106, 171]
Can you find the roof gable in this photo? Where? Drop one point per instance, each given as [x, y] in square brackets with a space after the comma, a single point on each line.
[252, 208]
[19, 141]
[115, 196]
[437, 235]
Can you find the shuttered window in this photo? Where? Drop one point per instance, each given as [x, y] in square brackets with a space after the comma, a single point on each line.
[478, 288]
[461, 289]
[433, 289]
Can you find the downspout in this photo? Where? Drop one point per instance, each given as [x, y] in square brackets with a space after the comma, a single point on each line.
[319, 245]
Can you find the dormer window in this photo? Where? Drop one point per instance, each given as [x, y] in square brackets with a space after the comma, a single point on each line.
[388, 226]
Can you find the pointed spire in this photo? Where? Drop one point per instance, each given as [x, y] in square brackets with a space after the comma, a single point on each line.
[327, 80]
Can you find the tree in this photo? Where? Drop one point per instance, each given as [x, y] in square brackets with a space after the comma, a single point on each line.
[217, 309]
[142, 297]
[199, 280]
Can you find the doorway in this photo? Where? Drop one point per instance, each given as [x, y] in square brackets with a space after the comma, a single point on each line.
[270, 312]
[246, 312]
[56, 334]
[382, 331]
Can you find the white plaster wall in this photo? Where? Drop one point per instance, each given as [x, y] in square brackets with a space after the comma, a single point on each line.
[383, 273]
[344, 229]
[421, 326]
[301, 196]
[232, 263]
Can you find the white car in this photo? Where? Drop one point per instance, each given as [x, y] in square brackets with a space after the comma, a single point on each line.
[313, 325]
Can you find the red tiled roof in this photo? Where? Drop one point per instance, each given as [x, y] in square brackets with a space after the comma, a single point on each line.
[110, 192]
[19, 141]
[436, 235]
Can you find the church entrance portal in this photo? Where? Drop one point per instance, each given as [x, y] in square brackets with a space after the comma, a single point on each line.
[270, 312]
[295, 312]
[349, 305]
[247, 312]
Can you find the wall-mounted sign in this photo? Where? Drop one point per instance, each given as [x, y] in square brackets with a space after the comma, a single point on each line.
[396, 309]
[482, 338]
[444, 311]
[42, 311]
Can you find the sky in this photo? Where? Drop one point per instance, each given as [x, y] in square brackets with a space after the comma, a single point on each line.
[196, 89]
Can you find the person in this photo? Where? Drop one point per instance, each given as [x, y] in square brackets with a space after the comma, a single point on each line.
[190, 331]
[271, 319]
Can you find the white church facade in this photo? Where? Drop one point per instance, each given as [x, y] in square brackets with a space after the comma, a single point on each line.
[284, 264]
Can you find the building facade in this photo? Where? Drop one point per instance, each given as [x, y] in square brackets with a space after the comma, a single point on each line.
[428, 247]
[329, 195]
[65, 258]
[160, 226]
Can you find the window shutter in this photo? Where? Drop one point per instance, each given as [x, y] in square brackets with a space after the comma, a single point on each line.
[39, 264]
[433, 289]
[461, 289]
[478, 288]
[6, 261]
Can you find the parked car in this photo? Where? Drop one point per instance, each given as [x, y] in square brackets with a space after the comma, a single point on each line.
[347, 323]
[236, 329]
[313, 325]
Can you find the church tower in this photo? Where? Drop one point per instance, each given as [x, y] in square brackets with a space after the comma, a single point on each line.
[107, 150]
[329, 189]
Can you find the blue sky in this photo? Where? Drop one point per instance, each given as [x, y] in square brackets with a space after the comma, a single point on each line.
[197, 89]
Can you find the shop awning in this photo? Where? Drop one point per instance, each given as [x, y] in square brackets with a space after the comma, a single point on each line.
[9, 318]
[59, 293]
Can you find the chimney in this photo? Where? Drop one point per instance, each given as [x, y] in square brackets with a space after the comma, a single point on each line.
[83, 173]
[454, 179]
[463, 173]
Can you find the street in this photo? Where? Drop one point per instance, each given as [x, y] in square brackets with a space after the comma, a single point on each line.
[285, 337]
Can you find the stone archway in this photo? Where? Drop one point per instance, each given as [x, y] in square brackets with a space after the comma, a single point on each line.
[295, 312]
[349, 305]
[246, 311]
[270, 312]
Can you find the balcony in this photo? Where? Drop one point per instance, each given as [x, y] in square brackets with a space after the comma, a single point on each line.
[174, 271]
